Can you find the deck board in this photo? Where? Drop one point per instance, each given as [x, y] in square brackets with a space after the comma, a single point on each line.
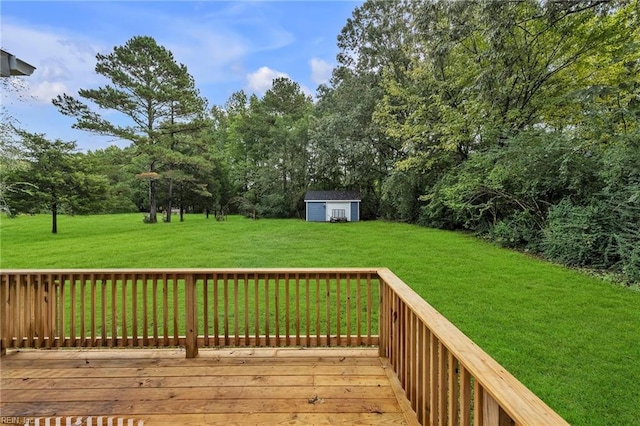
[225, 386]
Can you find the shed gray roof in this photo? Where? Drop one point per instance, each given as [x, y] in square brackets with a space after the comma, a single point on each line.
[332, 195]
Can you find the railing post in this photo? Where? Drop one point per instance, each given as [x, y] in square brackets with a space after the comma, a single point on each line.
[192, 319]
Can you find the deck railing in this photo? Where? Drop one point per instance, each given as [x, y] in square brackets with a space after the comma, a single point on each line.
[190, 308]
[447, 379]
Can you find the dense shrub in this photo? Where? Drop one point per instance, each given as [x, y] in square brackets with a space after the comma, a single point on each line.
[601, 235]
[517, 231]
[579, 236]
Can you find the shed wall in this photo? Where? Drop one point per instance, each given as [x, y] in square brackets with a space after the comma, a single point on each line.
[355, 211]
[316, 211]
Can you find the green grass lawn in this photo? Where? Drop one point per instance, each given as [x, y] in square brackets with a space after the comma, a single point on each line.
[572, 339]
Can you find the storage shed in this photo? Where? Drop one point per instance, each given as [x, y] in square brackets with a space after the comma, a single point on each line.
[332, 206]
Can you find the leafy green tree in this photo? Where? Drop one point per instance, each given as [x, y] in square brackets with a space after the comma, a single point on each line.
[125, 193]
[58, 180]
[265, 142]
[148, 87]
[350, 150]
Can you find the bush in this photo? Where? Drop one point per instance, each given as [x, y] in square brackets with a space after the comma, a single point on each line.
[517, 231]
[575, 236]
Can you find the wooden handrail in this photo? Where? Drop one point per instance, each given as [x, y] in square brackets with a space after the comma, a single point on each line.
[446, 377]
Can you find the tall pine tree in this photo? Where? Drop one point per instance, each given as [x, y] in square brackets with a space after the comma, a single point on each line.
[155, 93]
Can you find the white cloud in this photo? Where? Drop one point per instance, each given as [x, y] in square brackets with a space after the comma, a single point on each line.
[62, 65]
[210, 43]
[320, 70]
[213, 46]
[44, 91]
[261, 80]
[54, 68]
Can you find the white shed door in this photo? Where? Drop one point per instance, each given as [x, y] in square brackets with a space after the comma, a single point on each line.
[339, 210]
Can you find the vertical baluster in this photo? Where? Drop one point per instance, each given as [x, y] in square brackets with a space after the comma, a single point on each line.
[134, 310]
[286, 310]
[103, 299]
[20, 312]
[348, 310]
[297, 309]
[491, 410]
[266, 309]
[83, 310]
[338, 327]
[276, 308]
[114, 311]
[245, 279]
[429, 392]
[9, 314]
[433, 379]
[205, 308]
[154, 308]
[256, 297]
[125, 326]
[216, 315]
[359, 307]
[236, 331]
[37, 312]
[165, 309]
[369, 309]
[94, 311]
[307, 284]
[413, 354]
[465, 397]
[225, 289]
[63, 320]
[29, 305]
[454, 391]
[191, 317]
[317, 310]
[72, 296]
[402, 338]
[145, 310]
[17, 313]
[176, 312]
[478, 404]
[408, 353]
[421, 385]
[327, 301]
[49, 328]
[393, 328]
[442, 383]
[382, 322]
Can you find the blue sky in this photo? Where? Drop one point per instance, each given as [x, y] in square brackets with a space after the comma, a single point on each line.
[226, 46]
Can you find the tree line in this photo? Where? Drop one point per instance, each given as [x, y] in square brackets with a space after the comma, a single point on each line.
[517, 121]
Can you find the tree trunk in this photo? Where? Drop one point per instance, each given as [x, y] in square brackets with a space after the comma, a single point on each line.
[169, 206]
[54, 218]
[153, 206]
[181, 202]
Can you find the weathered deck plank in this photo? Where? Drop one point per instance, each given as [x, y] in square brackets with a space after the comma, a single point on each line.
[246, 386]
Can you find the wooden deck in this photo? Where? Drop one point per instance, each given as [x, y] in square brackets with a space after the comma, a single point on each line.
[220, 386]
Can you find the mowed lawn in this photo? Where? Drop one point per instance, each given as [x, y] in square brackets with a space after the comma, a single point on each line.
[572, 339]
